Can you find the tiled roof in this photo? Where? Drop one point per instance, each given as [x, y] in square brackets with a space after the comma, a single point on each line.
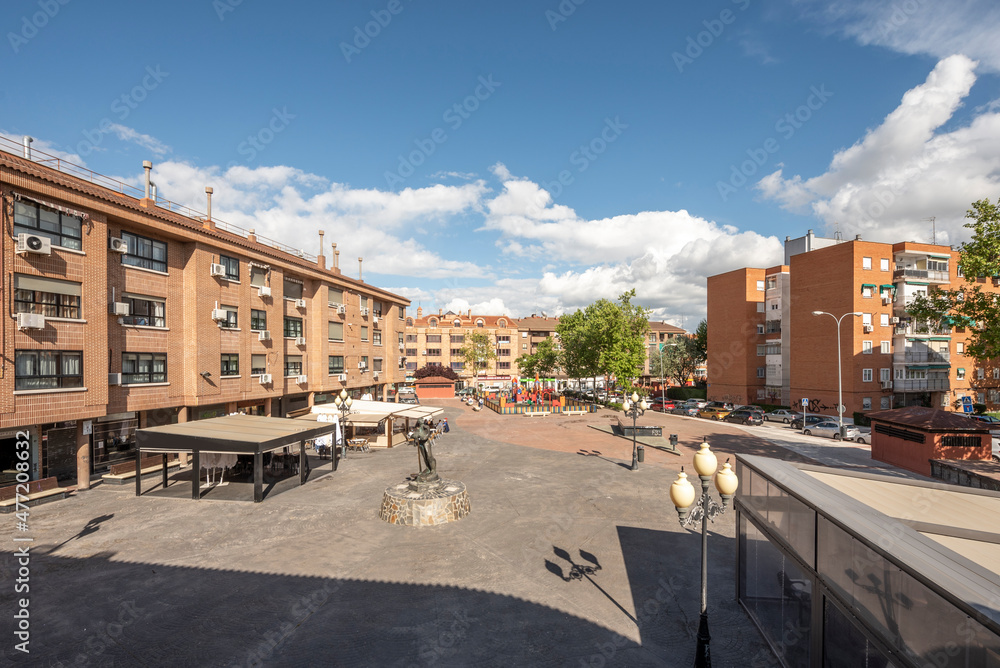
[468, 322]
[930, 419]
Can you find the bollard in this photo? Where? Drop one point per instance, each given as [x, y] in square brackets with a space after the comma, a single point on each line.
[673, 441]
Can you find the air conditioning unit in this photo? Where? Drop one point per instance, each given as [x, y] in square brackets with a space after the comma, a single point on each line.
[219, 314]
[265, 379]
[120, 308]
[334, 305]
[375, 320]
[342, 309]
[894, 320]
[301, 380]
[114, 379]
[361, 365]
[34, 243]
[217, 270]
[300, 303]
[117, 245]
[886, 298]
[375, 375]
[402, 347]
[342, 378]
[265, 291]
[869, 329]
[264, 335]
[300, 341]
[30, 321]
[364, 310]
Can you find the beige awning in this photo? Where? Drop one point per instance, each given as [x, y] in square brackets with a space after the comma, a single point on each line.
[370, 413]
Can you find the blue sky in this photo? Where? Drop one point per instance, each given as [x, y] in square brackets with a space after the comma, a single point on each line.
[522, 157]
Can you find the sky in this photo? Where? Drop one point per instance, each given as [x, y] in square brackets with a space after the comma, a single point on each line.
[524, 158]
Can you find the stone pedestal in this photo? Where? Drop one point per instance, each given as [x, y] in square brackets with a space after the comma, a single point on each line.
[425, 504]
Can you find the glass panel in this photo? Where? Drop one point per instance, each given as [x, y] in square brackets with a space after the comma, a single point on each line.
[71, 226]
[293, 290]
[336, 331]
[844, 644]
[257, 276]
[25, 214]
[49, 220]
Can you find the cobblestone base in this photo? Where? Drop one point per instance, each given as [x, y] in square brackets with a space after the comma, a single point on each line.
[447, 503]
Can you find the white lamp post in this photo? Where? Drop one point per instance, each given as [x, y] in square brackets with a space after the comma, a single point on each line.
[634, 410]
[682, 495]
[840, 382]
[343, 403]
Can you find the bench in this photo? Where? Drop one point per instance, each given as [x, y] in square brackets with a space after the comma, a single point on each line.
[575, 411]
[122, 473]
[534, 413]
[39, 491]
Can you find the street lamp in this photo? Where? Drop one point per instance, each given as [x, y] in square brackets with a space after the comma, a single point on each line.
[634, 410]
[682, 494]
[343, 403]
[840, 382]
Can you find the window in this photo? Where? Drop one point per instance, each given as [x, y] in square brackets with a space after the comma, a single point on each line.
[503, 338]
[145, 253]
[885, 402]
[652, 337]
[480, 323]
[457, 366]
[258, 364]
[139, 368]
[960, 374]
[258, 275]
[293, 328]
[362, 301]
[292, 288]
[886, 347]
[434, 352]
[884, 374]
[411, 366]
[145, 311]
[230, 364]
[364, 333]
[866, 263]
[866, 319]
[980, 397]
[293, 365]
[432, 323]
[335, 296]
[761, 371]
[377, 363]
[411, 352]
[456, 323]
[231, 321]
[503, 365]
[377, 308]
[524, 346]
[364, 361]
[433, 338]
[866, 403]
[458, 338]
[62, 229]
[50, 297]
[760, 286]
[884, 264]
[866, 291]
[399, 337]
[503, 352]
[336, 364]
[411, 338]
[258, 319]
[994, 396]
[958, 269]
[760, 307]
[866, 347]
[761, 350]
[47, 369]
[937, 265]
[377, 338]
[884, 319]
[980, 374]
[996, 373]
[760, 329]
[960, 348]
[866, 375]
[402, 313]
[771, 282]
[232, 266]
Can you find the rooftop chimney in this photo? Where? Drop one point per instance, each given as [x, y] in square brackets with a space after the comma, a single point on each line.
[27, 146]
[148, 166]
[152, 191]
[208, 214]
[252, 236]
[321, 259]
[360, 260]
[857, 237]
[336, 259]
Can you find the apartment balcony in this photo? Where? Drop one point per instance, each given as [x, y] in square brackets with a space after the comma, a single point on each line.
[921, 331]
[921, 275]
[922, 357]
[924, 385]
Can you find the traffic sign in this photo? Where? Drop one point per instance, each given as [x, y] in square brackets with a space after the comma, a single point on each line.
[805, 402]
[967, 408]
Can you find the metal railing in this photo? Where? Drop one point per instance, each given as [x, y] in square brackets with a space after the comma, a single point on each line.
[59, 164]
[925, 356]
[925, 385]
[922, 274]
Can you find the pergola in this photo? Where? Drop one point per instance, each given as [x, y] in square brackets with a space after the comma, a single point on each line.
[229, 434]
[371, 413]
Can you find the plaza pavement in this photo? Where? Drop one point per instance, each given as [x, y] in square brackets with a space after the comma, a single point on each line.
[311, 576]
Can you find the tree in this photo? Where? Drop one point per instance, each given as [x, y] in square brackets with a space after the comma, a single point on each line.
[542, 363]
[435, 370]
[701, 338]
[680, 360]
[579, 355]
[968, 305]
[478, 351]
[618, 331]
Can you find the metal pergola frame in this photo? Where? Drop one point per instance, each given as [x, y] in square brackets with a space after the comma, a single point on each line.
[230, 434]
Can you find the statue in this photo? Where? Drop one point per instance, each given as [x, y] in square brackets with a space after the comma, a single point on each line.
[422, 439]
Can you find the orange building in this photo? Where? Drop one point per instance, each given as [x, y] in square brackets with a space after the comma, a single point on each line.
[437, 340]
[125, 313]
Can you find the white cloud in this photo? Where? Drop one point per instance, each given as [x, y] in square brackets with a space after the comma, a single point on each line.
[39, 147]
[938, 29]
[906, 170]
[132, 136]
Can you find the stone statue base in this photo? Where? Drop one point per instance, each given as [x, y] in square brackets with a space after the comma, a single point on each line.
[417, 503]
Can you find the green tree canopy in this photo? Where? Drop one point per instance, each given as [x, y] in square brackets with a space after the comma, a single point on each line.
[968, 304]
[579, 356]
[478, 351]
[701, 339]
[681, 359]
[542, 363]
[618, 331]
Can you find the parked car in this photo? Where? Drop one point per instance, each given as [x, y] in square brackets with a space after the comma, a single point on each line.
[466, 392]
[697, 403]
[745, 417]
[831, 429]
[780, 415]
[682, 409]
[713, 413]
[724, 405]
[864, 436]
[407, 399]
[810, 420]
[662, 405]
[989, 419]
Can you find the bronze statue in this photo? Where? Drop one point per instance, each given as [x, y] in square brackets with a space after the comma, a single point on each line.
[422, 439]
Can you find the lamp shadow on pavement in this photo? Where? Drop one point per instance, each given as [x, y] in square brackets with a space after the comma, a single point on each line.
[598, 454]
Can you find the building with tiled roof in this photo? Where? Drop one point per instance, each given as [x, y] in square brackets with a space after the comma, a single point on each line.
[438, 338]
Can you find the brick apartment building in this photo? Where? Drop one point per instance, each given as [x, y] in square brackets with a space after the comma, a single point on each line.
[765, 345]
[125, 313]
[437, 339]
[660, 336]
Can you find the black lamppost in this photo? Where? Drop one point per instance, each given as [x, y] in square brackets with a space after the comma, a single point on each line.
[682, 494]
[634, 410]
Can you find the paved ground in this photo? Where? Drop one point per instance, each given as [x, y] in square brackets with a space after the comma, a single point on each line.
[312, 576]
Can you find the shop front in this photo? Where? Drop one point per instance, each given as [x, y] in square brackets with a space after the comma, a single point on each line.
[112, 440]
[8, 453]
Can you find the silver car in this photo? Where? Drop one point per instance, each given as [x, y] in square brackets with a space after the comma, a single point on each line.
[832, 430]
